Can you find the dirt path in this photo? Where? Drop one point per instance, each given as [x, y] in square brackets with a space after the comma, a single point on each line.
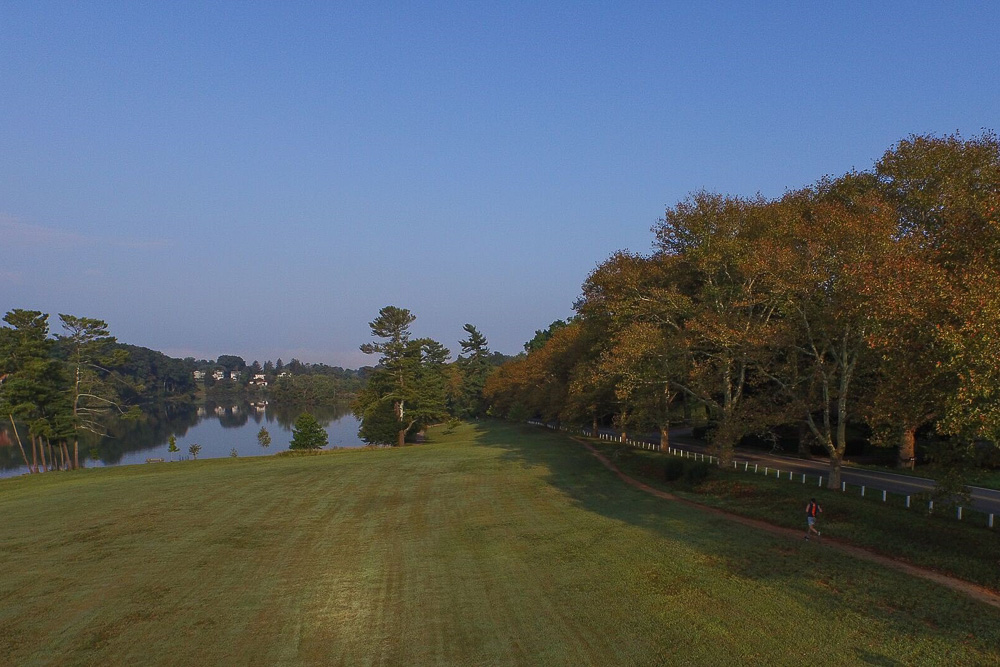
[972, 590]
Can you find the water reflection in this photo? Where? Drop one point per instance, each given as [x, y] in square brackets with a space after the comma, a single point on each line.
[219, 428]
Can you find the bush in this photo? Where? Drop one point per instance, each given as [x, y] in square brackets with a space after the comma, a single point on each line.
[308, 434]
[673, 470]
[696, 472]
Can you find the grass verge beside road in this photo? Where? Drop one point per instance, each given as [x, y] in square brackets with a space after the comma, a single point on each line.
[491, 545]
[964, 549]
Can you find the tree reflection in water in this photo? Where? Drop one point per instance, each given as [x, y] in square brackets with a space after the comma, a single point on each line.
[151, 431]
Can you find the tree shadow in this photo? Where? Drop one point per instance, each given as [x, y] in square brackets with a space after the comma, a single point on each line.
[805, 570]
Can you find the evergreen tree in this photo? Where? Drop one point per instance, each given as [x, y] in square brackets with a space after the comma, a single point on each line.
[474, 369]
[31, 381]
[408, 389]
[308, 434]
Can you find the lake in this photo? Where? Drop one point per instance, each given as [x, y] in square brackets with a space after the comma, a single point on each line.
[218, 427]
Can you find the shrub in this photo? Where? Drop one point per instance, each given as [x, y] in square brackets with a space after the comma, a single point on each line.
[673, 470]
[308, 434]
[696, 472]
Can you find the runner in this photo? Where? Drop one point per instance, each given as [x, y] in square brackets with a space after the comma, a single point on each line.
[811, 509]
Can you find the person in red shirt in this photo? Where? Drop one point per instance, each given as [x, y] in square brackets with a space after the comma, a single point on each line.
[811, 510]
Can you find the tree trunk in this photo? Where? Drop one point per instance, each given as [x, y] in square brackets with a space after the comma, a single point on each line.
[76, 453]
[907, 447]
[665, 422]
[401, 438]
[20, 444]
[52, 457]
[65, 451]
[34, 455]
[594, 434]
[725, 438]
[836, 460]
[624, 436]
[41, 452]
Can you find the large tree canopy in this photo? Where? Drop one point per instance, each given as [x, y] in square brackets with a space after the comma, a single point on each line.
[408, 389]
[873, 297]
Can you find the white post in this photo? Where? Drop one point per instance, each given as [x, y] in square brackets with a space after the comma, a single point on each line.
[907, 502]
[746, 466]
[930, 505]
[755, 467]
[884, 493]
[843, 486]
[789, 475]
[959, 513]
[862, 490]
[820, 481]
[991, 520]
[734, 465]
[766, 470]
[777, 474]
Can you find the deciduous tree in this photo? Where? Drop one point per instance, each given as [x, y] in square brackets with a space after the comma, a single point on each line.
[90, 353]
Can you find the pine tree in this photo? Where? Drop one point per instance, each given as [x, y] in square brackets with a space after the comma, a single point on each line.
[408, 390]
[308, 434]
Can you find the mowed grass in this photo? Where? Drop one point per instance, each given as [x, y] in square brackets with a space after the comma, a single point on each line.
[964, 549]
[491, 545]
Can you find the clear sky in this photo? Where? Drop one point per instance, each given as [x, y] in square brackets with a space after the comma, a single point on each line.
[260, 178]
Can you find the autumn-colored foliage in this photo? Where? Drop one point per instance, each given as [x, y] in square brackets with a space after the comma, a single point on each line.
[874, 296]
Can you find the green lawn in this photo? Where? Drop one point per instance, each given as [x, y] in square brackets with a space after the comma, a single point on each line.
[493, 545]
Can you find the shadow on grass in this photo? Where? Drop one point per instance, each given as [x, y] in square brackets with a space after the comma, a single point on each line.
[821, 579]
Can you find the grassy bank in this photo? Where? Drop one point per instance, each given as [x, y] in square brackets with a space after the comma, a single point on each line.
[965, 549]
[491, 545]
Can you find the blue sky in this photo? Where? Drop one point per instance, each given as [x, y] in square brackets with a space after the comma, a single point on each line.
[260, 178]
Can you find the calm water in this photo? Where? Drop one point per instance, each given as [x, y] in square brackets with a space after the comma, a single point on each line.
[218, 428]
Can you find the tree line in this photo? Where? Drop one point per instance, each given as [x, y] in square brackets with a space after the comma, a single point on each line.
[295, 382]
[60, 387]
[871, 298]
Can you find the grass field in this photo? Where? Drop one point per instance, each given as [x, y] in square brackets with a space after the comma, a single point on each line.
[492, 545]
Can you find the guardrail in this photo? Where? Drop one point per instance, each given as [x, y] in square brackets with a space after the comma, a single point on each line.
[745, 466]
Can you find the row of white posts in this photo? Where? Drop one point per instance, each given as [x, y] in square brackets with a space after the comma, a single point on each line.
[639, 444]
[843, 485]
[697, 456]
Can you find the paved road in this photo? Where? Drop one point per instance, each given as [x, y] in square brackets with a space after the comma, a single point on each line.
[986, 500]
